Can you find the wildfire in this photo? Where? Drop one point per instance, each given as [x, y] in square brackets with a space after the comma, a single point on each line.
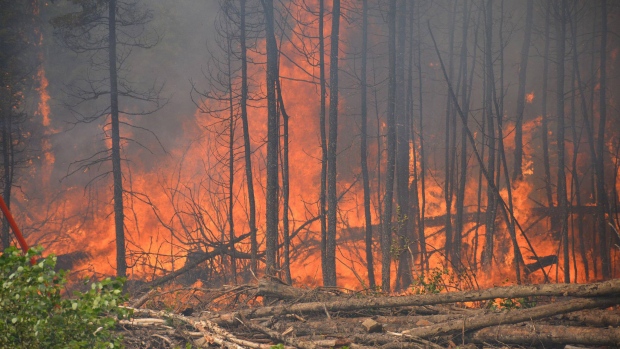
[529, 97]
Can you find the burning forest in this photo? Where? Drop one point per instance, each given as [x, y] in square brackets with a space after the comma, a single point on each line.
[374, 148]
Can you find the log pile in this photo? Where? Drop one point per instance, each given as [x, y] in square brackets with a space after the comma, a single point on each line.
[272, 313]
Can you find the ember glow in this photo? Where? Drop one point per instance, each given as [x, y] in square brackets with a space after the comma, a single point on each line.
[176, 141]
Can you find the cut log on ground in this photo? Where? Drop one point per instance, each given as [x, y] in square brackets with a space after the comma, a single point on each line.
[509, 317]
[605, 288]
[536, 335]
[273, 289]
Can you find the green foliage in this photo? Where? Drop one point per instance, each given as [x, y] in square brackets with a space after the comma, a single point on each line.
[277, 346]
[34, 314]
[512, 303]
[430, 284]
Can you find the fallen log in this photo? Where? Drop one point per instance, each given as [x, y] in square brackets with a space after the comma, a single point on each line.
[272, 289]
[596, 318]
[210, 331]
[604, 288]
[509, 317]
[546, 335]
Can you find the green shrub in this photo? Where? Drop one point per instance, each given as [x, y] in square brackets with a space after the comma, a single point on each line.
[34, 313]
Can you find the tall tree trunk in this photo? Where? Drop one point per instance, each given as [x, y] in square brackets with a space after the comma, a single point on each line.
[584, 110]
[517, 173]
[243, 103]
[364, 148]
[545, 118]
[414, 208]
[322, 125]
[487, 253]
[231, 167]
[561, 191]
[575, 183]
[601, 197]
[8, 166]
[386, 236]
[286, 267]
[421, 236]
[449, 126]
[404, 277]
[465, 88]
[271, 206]
[330, 253]
[117, 174]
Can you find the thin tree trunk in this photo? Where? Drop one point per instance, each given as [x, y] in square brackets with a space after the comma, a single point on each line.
[578, 85]
[487, 253]
[601, 197]
[545, 120]
[561, 191]
[117, 174]
[386, 236]
[285, 189]
[517, 173]
[403, 277]
[322, 125]
[272, 143]
[421, 236]
[231, 168]
[460, 195]
[330, 253]
[364, 148]
[449, 125]
[8, 163]
[414, 208]
[246, 141]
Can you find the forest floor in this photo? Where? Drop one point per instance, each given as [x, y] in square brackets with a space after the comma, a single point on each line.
[270, 314]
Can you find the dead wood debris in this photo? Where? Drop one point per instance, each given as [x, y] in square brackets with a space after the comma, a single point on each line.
[555, 316]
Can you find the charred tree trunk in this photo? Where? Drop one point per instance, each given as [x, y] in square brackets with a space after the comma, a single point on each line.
[579, 86]
[271, 206]
[386, 236]
[517, 173]
[421, 236]
[231, 167]
[561, 191]
[286, 266]
[117, 174]
[8, 164]
[487, 253]
[449, 129]
[330, 254]
[364, 148]
[322, 125]
[545, 119]
[403, 277]
[461, 183]
[601, 197]
[247, 147]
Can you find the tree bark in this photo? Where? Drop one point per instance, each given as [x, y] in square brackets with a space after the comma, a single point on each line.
[271, 206]
[487, 252]
[117, 174]
[546, 335]
[386, 234]
[322, 125]
[545, 120]
[601, 197]
[606, 288]
[509, 317]
[517, 173]
[404, 277]
[364, 148]
[330, 253]
[561, 186]
[247, 147]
